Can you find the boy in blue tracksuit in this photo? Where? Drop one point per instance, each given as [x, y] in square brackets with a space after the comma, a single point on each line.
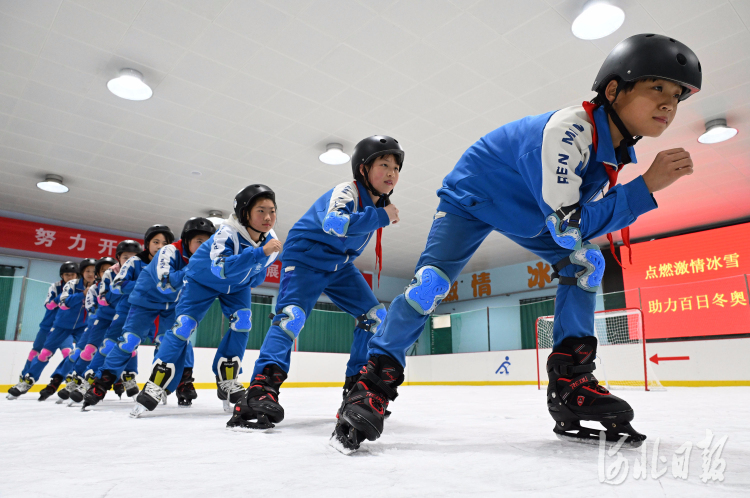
[319, 257]
[68, 271]
[70, 322]
[156, 237]
[227, 267]
[91, 357]
[539, 182]
[67, 368]
[153, 297]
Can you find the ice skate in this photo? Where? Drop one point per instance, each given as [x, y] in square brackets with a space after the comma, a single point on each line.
[82, 385]
[574, 395]
[98, 390]
[185, 390]
[129, 384]
[70, 386]
[362, 413]
[118, 388]
[154, 390]
[23, 386]
[228, 389]
[259, 407]
[50, 388]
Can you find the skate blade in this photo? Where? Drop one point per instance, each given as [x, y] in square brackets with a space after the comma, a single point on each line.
[336, 444]
[11, 397]
[138, 410]
[86, 408]
[60, 401]
[228, 407]
[73, 403]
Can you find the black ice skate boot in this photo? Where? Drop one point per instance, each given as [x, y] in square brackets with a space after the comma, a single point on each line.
[129, 384]
[260, 402]
[363, 412]
[118, 388]
[51, 388]
[574, 394]
[155, 389]
[82, 385]
[228, 389]
[23, 386]
[185, 391]
[98, 389]
[70, 386]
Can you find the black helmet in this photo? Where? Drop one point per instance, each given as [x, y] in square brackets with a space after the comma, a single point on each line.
[194, 226]
[68, 267]
[244, 199]
[85, 263]
[651, 56]
[104, 261]
[127, 246]
[368, 150]
[156, 229]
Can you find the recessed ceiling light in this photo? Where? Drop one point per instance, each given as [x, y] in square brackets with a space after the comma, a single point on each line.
[597, 20]
[216, 217]
[334, 154]
[54, 184]
[717, 131]
[129, 85]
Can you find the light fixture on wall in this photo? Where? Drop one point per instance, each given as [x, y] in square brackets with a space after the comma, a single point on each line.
[216, 217]
[129, 85]
[334, 154]
[717, 131]
[597, 20]
[54, 184]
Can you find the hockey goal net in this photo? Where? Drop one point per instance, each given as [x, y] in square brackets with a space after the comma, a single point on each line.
[621, 361]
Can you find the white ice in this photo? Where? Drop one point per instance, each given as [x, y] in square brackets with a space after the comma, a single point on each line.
[440, 441]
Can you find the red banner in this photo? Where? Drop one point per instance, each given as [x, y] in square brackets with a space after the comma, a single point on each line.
[692, 285]
[53, 239]
[273, 274]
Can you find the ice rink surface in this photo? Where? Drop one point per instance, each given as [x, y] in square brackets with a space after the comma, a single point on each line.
[440, 441]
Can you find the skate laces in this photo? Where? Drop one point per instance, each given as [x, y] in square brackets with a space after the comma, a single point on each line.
[230, 386]
[153, 390]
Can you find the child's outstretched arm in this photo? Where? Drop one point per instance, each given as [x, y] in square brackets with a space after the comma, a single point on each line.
[341, 219]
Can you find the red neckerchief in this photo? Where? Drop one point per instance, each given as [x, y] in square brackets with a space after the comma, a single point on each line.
[612, 175]
[378, 241]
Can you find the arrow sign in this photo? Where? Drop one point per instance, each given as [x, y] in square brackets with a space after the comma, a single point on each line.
[656, 358]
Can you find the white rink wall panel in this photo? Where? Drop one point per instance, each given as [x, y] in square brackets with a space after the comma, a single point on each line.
[715, 362]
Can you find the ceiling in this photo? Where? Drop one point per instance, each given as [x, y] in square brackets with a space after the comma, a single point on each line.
[250, 91]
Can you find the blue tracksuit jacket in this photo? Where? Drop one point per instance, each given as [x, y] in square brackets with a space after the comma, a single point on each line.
[72, 312]
[105, 297]
[169, 263]
[347, 213]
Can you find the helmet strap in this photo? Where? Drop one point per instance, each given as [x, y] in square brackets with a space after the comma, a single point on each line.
[628, 139]
[262, 236]
[384, 199]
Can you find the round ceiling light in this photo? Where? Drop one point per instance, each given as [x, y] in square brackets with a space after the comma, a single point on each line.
[334, 154]
[216, 217]
[129, 85]
[597, 20]
[717, 131]
[54, 184]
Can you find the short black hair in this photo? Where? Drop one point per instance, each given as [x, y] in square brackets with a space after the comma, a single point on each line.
[625, 87]
[260, 197]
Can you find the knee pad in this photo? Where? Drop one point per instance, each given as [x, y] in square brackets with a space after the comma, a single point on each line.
[51, 305]
[129, 342]
[45, 355]
[33, 354]
[162, 373]
[134, 354]
[76, 354]
[291, 320]
[241, 320]
[372, 320]
[107, 346]
[184, 327]
[229, 368]
[591, 259]
[66, 352]
[88, 352]
[429, 286]
[565, 232]
[336, 223]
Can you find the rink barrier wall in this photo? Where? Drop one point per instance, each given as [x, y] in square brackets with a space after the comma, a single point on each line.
[720, 362]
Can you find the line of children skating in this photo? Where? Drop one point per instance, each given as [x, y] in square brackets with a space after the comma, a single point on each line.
[548, 182]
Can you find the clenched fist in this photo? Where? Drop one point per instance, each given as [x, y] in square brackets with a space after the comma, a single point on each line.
[668, 166]
[272, 246]
[392, 211]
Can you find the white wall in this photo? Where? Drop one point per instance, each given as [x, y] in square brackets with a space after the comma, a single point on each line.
[722, 361]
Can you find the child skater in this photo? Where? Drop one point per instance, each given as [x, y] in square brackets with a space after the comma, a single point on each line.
[227, 267]
[68, 271]
[538, 181]
[319, 257]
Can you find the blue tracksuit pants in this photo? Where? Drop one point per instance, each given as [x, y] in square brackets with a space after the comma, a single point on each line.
[302, 287]
[138, 325]
[195, 300]
[451, 243]
[38, 344]
[109, 342]
[57, 338]
[90, 343]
